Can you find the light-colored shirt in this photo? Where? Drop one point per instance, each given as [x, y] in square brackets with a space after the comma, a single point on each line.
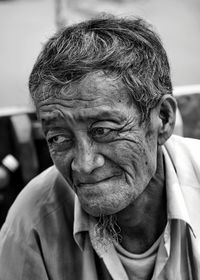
[139, 266]
[47, 235]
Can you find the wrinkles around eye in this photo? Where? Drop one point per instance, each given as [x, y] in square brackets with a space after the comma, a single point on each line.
[59, 143]
[100, 131]
[58, 139]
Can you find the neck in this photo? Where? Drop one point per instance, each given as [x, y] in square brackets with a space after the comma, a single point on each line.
[143, 221]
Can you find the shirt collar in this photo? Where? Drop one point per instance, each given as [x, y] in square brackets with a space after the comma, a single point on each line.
[176, 206]
[81, 223]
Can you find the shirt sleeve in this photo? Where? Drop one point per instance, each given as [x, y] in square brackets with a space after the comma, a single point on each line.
[18, 260]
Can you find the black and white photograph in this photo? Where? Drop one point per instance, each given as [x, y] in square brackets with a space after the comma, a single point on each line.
[99, 140]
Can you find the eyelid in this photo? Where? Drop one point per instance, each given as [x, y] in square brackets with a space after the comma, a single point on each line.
[51, 135]
[57, 131]
[59, 142]
[106, 124]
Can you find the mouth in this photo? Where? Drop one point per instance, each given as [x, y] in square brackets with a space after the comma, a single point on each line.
[93, 183]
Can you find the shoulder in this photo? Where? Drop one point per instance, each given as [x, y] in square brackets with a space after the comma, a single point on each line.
[188, 148]
[45, 196]
[39, 226]
[183, 141]
[184, 153]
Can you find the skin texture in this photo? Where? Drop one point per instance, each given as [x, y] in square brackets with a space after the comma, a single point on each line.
[110, 160]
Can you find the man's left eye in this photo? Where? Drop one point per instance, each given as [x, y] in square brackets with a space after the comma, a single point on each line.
[101, 133]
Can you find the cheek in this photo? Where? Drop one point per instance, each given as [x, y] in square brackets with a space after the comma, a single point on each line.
[138, 160]
[62, 161]
[127, 154]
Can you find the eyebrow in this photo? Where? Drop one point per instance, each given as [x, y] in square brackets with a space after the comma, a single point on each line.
[114, 115]
[102, 115]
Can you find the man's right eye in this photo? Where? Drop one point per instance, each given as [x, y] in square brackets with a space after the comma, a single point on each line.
[59, 140]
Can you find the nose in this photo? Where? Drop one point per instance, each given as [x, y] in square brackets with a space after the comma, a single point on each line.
[86, 159]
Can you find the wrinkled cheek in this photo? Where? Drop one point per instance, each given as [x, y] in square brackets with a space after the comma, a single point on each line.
[139, 164]
[62, 163]
[122, 153]
[56, 159]
[128, 157]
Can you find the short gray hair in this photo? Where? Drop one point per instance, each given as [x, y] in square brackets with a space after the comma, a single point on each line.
[124, 47]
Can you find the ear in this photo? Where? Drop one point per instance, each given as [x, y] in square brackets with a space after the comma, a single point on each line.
[167, 115]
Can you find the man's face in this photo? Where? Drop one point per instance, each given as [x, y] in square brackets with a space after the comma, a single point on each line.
[97, 143]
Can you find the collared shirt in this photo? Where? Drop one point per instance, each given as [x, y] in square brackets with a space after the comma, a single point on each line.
[48, 236]
[139, 266]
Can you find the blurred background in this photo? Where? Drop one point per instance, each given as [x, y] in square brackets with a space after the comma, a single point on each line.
[26, 24]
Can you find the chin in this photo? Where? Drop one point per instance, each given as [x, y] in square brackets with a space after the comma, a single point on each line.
[105, 199]
[99, 209]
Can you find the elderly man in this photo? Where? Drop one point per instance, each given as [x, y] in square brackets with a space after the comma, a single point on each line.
[123, 199]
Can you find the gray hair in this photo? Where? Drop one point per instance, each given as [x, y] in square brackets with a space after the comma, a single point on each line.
[126, 48]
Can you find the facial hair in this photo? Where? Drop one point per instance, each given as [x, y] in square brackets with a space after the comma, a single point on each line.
[106, 232]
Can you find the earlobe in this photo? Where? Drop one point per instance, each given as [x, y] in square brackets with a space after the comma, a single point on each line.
[167, 114]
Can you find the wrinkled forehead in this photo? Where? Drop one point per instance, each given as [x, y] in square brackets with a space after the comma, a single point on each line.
[94, 87]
